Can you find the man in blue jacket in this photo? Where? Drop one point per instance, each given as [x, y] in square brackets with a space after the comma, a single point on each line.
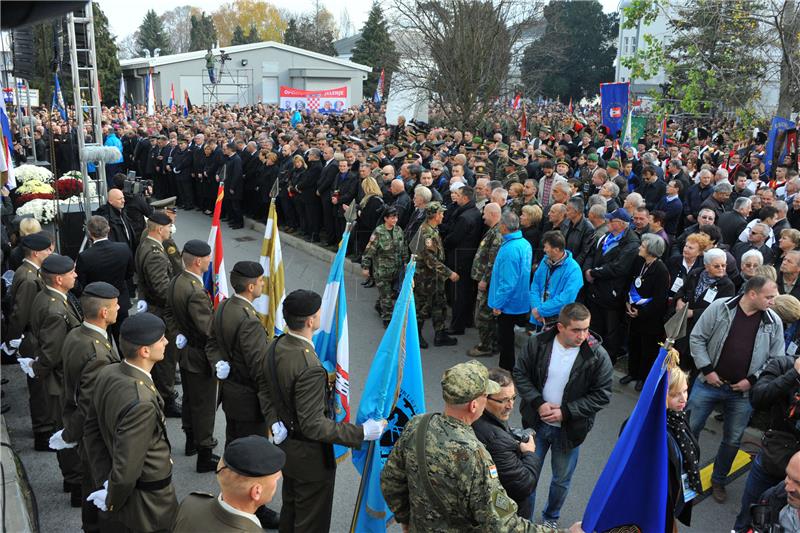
[509, 287]
[556, 283]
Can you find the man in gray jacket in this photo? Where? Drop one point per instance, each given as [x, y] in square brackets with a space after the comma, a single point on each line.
[731, 344]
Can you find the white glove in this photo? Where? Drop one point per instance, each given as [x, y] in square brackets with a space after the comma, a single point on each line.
[15, 343]
[26, 364]
[98, 497]
[373, 429]
[180, 341]
[279, 432]
[223, 369]
[141, 306]
[57, 441]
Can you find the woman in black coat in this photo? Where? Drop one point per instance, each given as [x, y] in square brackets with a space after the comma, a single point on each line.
[683, 452]
[370, 210]
[646, 306]
[689, 261]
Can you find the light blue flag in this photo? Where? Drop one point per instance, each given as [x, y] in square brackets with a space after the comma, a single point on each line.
[332, 342]
[58, 100]
[394, 391]
[632, 489]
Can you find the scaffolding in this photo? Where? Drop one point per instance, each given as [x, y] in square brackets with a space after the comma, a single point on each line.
[231, 87]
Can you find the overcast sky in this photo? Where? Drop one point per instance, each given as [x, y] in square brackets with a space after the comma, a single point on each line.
[126, 15]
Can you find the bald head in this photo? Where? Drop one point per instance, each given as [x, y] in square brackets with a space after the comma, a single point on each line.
[491, 214]
[116, 198]
[397, 187]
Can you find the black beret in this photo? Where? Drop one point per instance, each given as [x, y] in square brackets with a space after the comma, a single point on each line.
[58, 264]
[197, 248]
[389, 211]
[101, 289]
[160, 217]
[248, 269]
[253, 456]
[37, 241]
[142, 329]
[301, 303]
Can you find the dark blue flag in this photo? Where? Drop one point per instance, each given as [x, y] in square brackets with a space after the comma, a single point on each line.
[776, 143]
[614, 101]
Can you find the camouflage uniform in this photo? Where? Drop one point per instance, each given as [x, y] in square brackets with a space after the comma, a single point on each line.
[429, 278]
[518, 203]
[518, 176]
[459, 491]
[385, 254]
[482, 271]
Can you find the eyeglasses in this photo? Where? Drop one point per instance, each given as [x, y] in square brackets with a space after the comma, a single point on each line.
[503, 400]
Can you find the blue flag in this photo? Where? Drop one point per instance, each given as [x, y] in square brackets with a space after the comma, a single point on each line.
[332, 341]
[58, 100]
[393, 391]
[776, 143]
[632, 489]
[614, 101]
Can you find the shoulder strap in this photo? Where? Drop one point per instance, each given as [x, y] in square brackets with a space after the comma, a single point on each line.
[422, 462]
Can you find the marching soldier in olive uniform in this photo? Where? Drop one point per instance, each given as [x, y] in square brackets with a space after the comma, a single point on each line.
[248, 477]
[439, 477]
[154, 272]
[237, 344]
[485, 321]
[27, 284]
[86, 350]
[384, 256]
[430, 276]
[172, 250]
[297, 389]
[126, 434]
[54, 312]
[189, 314]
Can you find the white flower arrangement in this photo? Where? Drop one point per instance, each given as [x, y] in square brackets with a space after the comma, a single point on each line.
[74, 174]
[25, 173]
[42, 210]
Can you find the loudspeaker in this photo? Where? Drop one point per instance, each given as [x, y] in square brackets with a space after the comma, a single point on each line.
[22, 53]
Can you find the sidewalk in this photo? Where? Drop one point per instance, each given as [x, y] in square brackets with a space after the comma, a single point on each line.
[18, 513]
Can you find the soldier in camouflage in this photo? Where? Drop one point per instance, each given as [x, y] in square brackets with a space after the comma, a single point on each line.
[430, 276]
[485, 321]
[439, 477]
[385, 255]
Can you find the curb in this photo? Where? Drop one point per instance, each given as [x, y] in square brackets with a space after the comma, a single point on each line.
[19, 512]
[314, 250]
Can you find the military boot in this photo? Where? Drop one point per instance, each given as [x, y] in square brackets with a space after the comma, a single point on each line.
[190, 448]
[206, 460]
[422, 342]
[443, 339]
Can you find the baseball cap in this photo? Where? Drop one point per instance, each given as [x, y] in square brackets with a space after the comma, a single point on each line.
[466, 381]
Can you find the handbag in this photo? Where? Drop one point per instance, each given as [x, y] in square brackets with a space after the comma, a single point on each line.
[777, 447]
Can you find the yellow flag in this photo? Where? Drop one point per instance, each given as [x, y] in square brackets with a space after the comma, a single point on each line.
[270, 304]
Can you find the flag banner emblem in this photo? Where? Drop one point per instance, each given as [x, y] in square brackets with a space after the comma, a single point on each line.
[269, 305]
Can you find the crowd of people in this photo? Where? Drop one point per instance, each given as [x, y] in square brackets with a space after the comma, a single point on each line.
[564, 251]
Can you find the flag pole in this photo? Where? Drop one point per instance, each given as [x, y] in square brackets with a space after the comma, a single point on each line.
[364, 476]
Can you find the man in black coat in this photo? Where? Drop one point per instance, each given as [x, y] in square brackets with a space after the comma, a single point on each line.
[141, 154]
[121, 227]
[107, 261]
[182, 174]
[234, 185]
[307, 187]
[401, 201]
[733, 222]
[652, 188]
[607, 272]
[324, 191]
[345, 188]
[136, 205]
[515, 460]
[580, 232]
[462, 235]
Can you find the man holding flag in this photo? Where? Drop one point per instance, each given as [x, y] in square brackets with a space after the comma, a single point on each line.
[298, 409]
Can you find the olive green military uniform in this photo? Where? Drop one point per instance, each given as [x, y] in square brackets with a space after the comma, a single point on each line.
[154, 272]
[189, 312]
[385, 254]
[238, 337]
[201, 511]
[430, 277]
[518, 203]
[482, 265]
[27, 284]
[52, 318]
[172, 251]
[126, 439]
[467, 494]
[518, 176]
[85, 352]
[297, 388]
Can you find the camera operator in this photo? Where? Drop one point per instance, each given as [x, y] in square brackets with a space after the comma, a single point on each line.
[137, 204]
[777, 391]
[778, 509]
[210, 66]
[511, 449]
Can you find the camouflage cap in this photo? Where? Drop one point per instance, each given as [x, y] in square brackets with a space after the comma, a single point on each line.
[502, 146]
[466, 381]
[433, 208]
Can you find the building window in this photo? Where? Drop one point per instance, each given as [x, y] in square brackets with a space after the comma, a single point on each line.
[625, 45]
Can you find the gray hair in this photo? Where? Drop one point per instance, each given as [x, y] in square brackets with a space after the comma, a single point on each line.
[598, 210]
[636, 199]
[765, 229]
[705, 172]
[563, 186]
[501, 192]
[613, 187]
[722, 174]
[781, 206]
[654, 244]
[712, 254]
[741, 203]
[723, 186]
[510, 220]
[596, 199]
[752, 254]
[423, 192]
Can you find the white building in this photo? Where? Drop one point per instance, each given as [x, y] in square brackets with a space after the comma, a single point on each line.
[254, 73]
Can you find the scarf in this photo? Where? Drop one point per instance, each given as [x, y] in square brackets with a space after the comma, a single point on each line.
[703, 282]
[678, 427]
[611, 241]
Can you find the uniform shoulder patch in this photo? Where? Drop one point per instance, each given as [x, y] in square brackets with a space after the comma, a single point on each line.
[492, 471]
[372, 237]
[502, 502]
[172, 250]
[429, 243]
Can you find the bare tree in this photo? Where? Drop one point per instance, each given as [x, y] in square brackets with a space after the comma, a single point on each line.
[178, 26]
[457, 52]
[346, 27]
[128, 49]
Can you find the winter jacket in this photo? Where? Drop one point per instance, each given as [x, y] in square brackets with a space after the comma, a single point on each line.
[511, 274]
[588, 388]
[611, 271]
[695, 197]
[580, 239]
[709, 334]
[555, 286]
[518, 472]
[775, 390]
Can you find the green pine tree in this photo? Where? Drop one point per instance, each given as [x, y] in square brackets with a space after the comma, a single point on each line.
[291, 35]
[152, 35]
[203, 33]
[376, 49]
[108, 69]
[238, 36]
[252, 35]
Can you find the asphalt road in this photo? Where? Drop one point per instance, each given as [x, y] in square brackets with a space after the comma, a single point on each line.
[305, 271]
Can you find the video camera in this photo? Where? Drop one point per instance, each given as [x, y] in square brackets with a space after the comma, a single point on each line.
[223, 56]
[136, 185]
